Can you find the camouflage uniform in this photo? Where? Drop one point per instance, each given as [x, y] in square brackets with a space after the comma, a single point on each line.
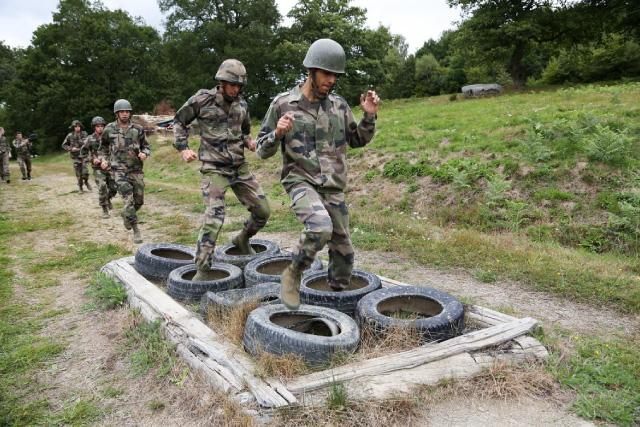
[23, 151]
[314, 173]
[124, 145]
[93, 149]
[224, 127]
[5, 152]
[76, 140]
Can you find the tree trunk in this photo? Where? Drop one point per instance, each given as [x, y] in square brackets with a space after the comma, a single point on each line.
[515, 64]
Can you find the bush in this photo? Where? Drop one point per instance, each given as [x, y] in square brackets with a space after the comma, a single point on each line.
[608, 146]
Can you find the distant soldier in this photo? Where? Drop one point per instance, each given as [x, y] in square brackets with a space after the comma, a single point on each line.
[73, 143]
[312, 128]
[98, 153]
[128, 148]
[225, 131]
[5, 155]
[23, 152]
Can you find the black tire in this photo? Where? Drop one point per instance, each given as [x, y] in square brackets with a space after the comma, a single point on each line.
[315, 290]
[181, 287]
[444, 315]
[269, 268]
[157, 260]
[266, 330]
[229, 253]
[264, 293]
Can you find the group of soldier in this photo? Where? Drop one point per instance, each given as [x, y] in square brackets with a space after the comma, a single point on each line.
[309, 124]
[24, 147]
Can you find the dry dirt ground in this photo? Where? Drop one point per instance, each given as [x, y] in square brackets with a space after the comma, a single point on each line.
[94, 360]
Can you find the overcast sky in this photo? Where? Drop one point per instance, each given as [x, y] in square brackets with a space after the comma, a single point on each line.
[416, 20]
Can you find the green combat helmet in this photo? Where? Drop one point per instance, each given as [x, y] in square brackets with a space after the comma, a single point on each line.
[121, 105]
[327, 55]
[76, 123]
[232, 71]
[97, 120]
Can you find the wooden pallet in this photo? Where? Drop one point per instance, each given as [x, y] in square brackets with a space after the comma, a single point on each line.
[227, 367]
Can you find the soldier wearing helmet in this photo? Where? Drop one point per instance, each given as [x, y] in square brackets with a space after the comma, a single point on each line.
[23, 152]
[128, 149]
[73, 143]
[312, 127]
[97, 154]
[225, 132]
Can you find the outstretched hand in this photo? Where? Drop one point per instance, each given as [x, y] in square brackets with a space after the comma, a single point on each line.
[370, 102]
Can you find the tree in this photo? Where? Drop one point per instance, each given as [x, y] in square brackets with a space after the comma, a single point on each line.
[79, 65]
[201, 34]
[505, 29]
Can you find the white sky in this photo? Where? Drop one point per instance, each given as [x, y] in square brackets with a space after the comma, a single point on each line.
[416, 20]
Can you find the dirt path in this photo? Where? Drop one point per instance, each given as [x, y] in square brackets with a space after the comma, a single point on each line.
[93, 362]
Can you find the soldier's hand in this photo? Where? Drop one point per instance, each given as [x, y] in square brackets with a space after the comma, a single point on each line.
[96, 162]
[75, 149]
[250, 144]
[370, 102]
[104, 165]
[142, 156]
[188, 155]
[285, 125]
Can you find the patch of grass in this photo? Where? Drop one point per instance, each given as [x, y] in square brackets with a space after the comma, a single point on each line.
[148, 349]
[156, 405]
[484, 276]
[605, 374]
[106, 292]
[82, 412]
[272, 366]
[338, 396]
[112, 392]
[81, 257]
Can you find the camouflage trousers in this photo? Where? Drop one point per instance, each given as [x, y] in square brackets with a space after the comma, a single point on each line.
[130, 185]
[214, 185]
[4, 165]
[80, 168]
[25, 166]
[107, 187]
[326, 221]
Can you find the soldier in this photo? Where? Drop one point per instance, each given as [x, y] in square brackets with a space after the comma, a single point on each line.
[97, 153]
[128, 148]
[23, 151]
[5, 155]
[73, 143]
[312, 127]
[225, 131]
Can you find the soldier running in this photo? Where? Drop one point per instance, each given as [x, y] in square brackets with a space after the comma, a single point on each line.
[312, 127]
[128, 148]
[98, 155]
[73, 143]
[225, 131]
[23, 152]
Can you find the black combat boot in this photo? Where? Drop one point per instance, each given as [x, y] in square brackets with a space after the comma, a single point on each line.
[241, 240]
[137, 237]
[290, 287]
[105, 212]
[86, 182]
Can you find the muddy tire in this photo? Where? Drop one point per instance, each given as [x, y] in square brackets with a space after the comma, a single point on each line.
[229, 253]
[264, 293]
[269, 268]
[436, 315]
[181, 287]
[268, 329]
[157, 260]
[315, 290]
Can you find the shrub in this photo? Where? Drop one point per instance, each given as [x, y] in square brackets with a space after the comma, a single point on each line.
[608, 146]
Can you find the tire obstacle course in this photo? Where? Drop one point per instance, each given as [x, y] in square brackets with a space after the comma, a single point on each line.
[317, 331]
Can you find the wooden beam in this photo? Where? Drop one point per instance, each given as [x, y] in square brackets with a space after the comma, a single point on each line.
[472, 341]
[227, 367]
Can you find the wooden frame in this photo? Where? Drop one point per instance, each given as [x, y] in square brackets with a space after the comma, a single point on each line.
[228, 368]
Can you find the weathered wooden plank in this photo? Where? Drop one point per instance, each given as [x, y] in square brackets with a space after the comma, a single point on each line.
[472, 341]
[221, 356]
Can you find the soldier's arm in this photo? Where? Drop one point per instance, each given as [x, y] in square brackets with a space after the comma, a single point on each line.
[267, 144]
[359, 134]
[66, 145]
[145, 147]
[185, 115]
[87, 149]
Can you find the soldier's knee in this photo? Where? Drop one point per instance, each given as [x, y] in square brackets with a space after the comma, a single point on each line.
[261, 214]
[319, 236]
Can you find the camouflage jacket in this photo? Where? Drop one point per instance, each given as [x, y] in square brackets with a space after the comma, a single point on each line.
[223, 126]
[74, 140]
[315, 150]
[23, 147]
[93, 149]
[124, 145]
[4, 147]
